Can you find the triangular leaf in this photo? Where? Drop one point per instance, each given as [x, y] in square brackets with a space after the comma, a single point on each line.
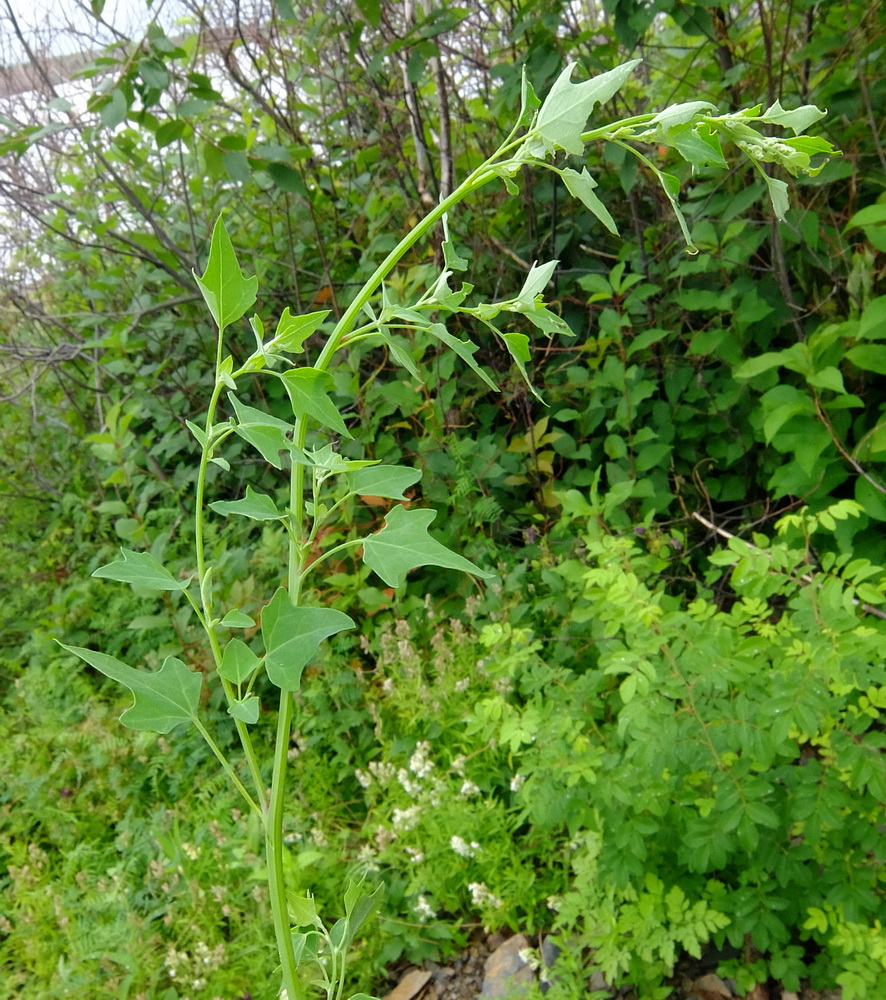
[465, 349]
[404, 543]
[518, 347]
[384, 481]
[568, 106]
[163, 698]
[246, 710]
[238, 662]
[293, 331]
[307, 389]
[535, 283]
[581, 186]
[292, 636]
[258, 506]
[236, 619]
[360, 905]
[267, 434]
[141, 569]
[798, 119]
[226, 290]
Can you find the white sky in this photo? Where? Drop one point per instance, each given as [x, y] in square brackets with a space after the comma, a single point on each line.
[57, 27]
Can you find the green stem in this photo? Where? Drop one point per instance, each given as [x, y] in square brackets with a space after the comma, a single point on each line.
[200, 544]
[274, 830]
[225, 763]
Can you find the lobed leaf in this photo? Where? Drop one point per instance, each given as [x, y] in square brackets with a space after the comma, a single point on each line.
[308, 390]
[292, 637]
[384, 481]
[162, 699]
[404, 544]
[258, 506]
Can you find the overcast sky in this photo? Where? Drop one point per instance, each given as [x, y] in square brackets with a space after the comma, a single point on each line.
[57, 27]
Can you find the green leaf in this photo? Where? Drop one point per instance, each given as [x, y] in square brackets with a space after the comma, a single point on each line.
[778, 195]
[535, 283]
[292, 636]
[581, 186]
[518, 347]
[169, 132]
[404, 544]
[302, 910]
[360, 905]
[827, 378]
[267, 434]
[238, 662]
[141, 569]
[389, 481]
[246, 711]
[869, 357]
[113, 112]
[226, 290]
[258, 506]
[465, 349]
[307, 389]
[236, 619]
[799, 119]
[293, 331]
[162, 698]
[568, 106]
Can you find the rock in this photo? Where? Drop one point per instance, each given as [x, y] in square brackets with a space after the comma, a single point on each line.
[410, 985]
[710, 987]
[789, 995]
[506, 974]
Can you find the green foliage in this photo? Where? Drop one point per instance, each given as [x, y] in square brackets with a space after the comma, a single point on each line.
[685, 397]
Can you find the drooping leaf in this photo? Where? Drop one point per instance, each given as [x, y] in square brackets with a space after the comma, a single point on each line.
[267, 434]
[308, 390]
[465, 349]
[226, 290]
[404, 544]
[292, 636]
[518, 347]
[581, 186]
[566, 109]
[258, 506]
[141, 569]
[389, 481]
[778, 195]
[163, 698]
[238, 662]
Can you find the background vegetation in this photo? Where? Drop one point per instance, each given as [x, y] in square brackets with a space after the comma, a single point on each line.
[660, 728]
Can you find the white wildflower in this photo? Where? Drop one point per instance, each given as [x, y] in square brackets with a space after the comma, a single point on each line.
[382, 770]
[481, 896]
[412, 788]
[517, 782]
[462, 685]
[364, 778]
[463, 848]
[468, 789]
[388, 685]
[419, 763]
[406, 819]
[415, 855]
[423, 910]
